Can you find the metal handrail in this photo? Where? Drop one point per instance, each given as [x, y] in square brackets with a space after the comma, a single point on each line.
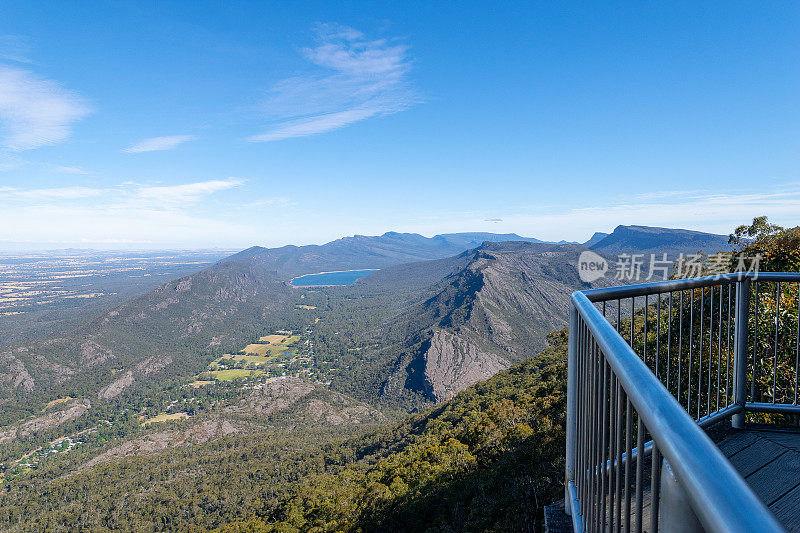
[719, 495]
[716, 492]
[644, 289]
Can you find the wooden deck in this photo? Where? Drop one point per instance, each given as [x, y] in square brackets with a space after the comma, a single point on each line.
[769, 460]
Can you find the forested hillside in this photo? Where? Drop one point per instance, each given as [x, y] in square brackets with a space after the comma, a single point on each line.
[486, 460]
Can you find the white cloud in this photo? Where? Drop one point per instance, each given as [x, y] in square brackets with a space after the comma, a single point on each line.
[185, 193]
[717, 213]
[159, 143]
[35, 112]
[313, 125]
[54, 193]
[357, 79]
[70, 170]
[128, 194]
[281, 201]
[147, 215]
[14, 48]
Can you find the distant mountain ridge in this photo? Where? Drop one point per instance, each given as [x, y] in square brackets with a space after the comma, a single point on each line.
[646, 240]
[363, 251]
[457, 315]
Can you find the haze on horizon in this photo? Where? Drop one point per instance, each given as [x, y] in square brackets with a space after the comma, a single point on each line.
[193, 125]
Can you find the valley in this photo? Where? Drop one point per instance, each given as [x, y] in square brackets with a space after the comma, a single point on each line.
[231, 370]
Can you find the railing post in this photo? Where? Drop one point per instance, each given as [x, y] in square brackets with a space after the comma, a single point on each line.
[572, 378]
[740, 349]
[675, 514]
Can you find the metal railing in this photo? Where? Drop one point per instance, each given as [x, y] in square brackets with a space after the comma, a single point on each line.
[650, 366]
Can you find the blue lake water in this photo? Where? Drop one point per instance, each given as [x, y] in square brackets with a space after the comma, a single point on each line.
[344, 277]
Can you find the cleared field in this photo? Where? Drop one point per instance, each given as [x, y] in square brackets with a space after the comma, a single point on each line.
[234, 373]
[307, 307]
[273, 339]
[265, 349]
[250, 358]
[258, 349]
[165, 418]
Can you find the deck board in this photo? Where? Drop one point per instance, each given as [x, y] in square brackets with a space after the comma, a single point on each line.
[756, 456]
[770, 463]
[787, 510]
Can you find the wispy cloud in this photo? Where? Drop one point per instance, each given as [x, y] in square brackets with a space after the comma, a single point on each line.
[52, 193]
[186, 193]
[713, 212]
[280, 201]
[154, 144]
[127, 194]
[14, 48]
[129, 212]
[35, 112]
[355, 79]
[70, 170]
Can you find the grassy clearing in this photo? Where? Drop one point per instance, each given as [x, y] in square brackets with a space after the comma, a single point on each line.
[165, 418]
[307, 307]
[273, 339]
[265, 349]
[269, 358]
[234, 373]
[258, 349]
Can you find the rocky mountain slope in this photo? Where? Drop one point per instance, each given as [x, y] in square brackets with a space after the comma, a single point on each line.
[647, 240]
[496, 310]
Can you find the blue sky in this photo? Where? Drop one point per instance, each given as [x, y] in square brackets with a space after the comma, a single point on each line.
[203, 124]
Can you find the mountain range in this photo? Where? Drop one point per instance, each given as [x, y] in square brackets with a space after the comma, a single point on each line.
[450, 316]
[441, 315]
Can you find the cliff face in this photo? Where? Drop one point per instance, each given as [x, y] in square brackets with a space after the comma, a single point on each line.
[497, 310]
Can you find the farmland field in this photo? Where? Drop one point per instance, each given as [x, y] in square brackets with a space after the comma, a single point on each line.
[235, 373]
[165, 418]
[273, 339]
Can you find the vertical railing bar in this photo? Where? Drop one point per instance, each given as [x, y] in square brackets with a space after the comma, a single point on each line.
[719, 347]
[612, 449]
[755, 345]
[680, 347]
[633, 320]
[592, 432]
[639, 473]
[598, 361]
[728, 351]
[743, 292]
[579, 398]
[618, 498]
[700, 355]
[797, 349]
[710, 347]
[775, 354]
[658, 333]
[644, 340]
[669, 339]
[585, 410]
[604, 443]
[628, 455]
[691, 353]
[655, 487]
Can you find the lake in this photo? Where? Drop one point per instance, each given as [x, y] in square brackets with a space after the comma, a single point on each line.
[341, 277]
